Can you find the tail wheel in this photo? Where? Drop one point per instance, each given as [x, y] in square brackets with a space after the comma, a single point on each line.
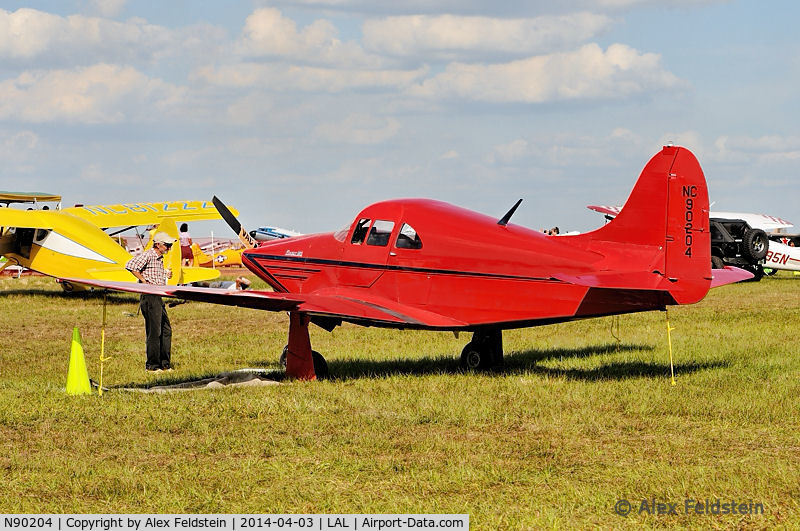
[717, 263]
[755, 244]
[67, 286]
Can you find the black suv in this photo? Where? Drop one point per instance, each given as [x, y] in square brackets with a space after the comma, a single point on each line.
[735, 243]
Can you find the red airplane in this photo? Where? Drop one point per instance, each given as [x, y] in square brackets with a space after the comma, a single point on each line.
[424, 264]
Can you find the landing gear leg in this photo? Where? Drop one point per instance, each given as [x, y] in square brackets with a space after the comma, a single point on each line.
[484, 351]
[301, 361]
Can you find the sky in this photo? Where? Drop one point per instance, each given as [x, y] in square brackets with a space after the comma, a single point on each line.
[300, 113]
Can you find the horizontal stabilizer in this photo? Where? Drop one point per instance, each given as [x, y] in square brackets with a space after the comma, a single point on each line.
[617, 280]
[728, 275]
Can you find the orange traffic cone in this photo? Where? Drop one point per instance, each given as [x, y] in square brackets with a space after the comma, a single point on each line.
[77, 375]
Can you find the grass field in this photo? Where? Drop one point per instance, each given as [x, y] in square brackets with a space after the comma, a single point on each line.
[571, 425]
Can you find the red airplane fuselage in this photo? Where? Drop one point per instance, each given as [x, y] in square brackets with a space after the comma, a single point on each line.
[436, 257]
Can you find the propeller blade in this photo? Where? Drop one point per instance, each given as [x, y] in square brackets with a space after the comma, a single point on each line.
[233, 223]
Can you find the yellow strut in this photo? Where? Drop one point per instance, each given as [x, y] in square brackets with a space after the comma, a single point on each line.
[103, 345]
[669, 342]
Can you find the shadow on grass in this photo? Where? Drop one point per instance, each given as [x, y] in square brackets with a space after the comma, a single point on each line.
[626, 370]
[517, 363]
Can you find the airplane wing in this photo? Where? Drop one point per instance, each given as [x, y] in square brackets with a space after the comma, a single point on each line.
[757, 221]
[338, 303]
[135, 214]
[28, 197]
[27, 219]
[607, 210]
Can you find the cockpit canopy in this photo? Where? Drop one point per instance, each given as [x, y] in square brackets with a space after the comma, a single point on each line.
[378, 233]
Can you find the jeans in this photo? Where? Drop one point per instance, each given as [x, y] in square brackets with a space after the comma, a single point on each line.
[159, 331]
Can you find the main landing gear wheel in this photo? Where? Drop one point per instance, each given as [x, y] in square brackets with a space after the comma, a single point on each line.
[320, 365]
[484, 351]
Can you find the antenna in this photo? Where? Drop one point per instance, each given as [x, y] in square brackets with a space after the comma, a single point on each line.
[504, 220]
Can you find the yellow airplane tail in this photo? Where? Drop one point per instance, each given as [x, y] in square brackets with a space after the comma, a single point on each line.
[172, 260]
[200, 258]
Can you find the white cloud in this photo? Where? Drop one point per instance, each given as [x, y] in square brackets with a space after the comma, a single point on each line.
[563, 150]
[510, 152]
[358, 129]
[96, 94]
[766, 150]
[30, 35]
[587, 73]
[451, 35]
[268, 34]
[278, 77]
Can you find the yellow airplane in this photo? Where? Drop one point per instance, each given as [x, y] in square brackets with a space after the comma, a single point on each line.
[70, 242]
[228, 257]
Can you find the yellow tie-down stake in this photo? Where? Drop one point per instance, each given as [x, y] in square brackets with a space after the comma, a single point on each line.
[669, 342]
[103, 358]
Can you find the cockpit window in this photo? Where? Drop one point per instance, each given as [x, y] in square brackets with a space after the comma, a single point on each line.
[408, 238]
[379, 235]
[360, 232]
[341, 234]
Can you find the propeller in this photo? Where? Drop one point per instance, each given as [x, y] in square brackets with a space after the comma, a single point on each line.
[233, 223]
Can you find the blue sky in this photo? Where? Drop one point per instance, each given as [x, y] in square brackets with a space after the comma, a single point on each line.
[301, 112]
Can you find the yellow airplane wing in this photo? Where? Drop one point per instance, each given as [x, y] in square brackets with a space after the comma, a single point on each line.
[28, 197]
[27, 219]
[135, 214]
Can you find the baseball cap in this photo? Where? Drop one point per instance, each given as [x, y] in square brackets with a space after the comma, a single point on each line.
[163, 237]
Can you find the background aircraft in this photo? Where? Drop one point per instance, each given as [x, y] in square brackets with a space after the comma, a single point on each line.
[265, 234]
[769, 224]
[416, 263]
[224, 258]
[781, 254]
[71, 242]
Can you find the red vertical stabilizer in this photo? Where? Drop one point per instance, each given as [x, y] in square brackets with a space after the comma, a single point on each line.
[661, 237]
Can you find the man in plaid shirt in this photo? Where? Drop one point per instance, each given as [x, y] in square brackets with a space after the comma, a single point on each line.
[148, 267]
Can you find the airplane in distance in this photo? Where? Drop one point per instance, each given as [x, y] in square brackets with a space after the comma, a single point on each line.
[265, 234]
[781, 254]
[425, 264]
[225, 258]
[767, 223]
[71, 242]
